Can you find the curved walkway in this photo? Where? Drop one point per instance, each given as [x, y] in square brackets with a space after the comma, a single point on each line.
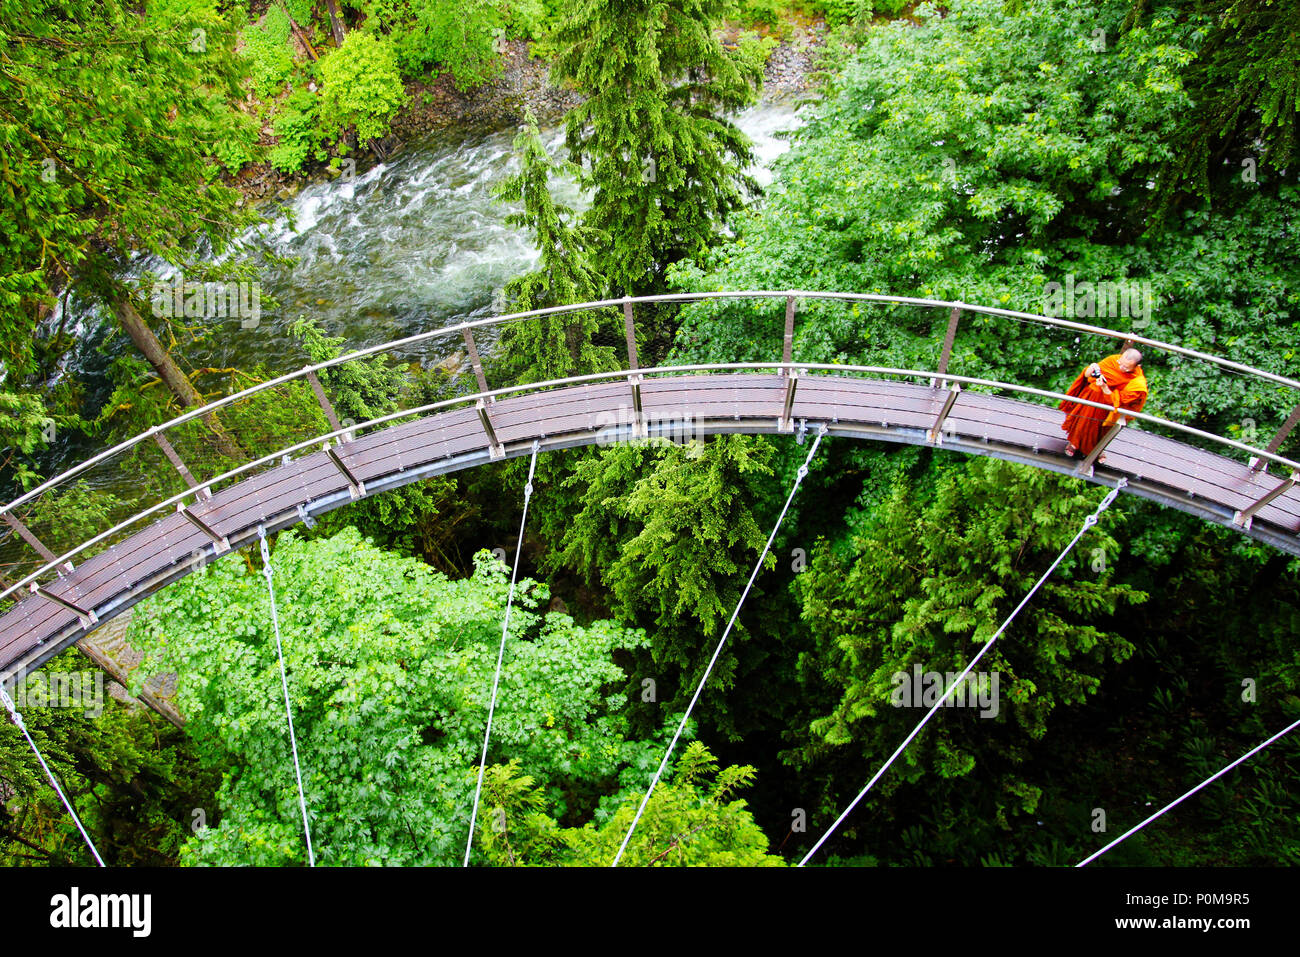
[676, 407]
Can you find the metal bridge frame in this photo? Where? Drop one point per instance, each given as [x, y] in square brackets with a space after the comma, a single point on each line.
[945, 386]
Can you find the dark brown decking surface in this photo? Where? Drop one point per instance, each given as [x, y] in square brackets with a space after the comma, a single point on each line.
[1202, 483]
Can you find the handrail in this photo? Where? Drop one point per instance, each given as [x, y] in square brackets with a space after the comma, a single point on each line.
[609, 303]
[619, 374]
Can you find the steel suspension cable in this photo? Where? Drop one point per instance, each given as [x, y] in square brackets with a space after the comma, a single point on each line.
[799, 477]
[18, 720]
[501, 651]
[1175, 803]
[284, 681]
[1088, 522]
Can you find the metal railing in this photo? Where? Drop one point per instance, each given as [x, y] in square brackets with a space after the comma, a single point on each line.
[484, 397]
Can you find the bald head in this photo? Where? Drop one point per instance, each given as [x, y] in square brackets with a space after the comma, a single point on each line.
[1129, 360]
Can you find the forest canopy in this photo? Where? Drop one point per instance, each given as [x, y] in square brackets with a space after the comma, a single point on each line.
[979, 151]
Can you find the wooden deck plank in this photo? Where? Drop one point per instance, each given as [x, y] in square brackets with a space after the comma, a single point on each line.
[427, 431]
[461, 433]
[177, 541]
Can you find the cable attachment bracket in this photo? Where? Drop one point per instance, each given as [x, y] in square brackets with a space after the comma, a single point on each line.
[532, 467]
[803, 469]
[266, 552]
[11, 708]
[1092, 519]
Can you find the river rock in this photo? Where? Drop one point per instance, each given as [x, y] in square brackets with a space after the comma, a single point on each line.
[452, 364]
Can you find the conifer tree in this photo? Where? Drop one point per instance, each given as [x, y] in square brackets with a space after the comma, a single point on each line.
[550, 347]
[108, 120]
[665, 166]
[1244, 82]
[921, 587]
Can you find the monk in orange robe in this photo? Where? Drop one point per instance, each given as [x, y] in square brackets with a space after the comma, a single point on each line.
[1116, 380]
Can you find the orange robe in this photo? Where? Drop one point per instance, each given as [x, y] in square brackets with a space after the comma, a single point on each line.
[1083, 423]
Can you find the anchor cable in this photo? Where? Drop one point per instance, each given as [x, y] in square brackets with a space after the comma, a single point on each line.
[284, 681]
[18, 720]
[501, 651]
[1088, 522]
[799, 477]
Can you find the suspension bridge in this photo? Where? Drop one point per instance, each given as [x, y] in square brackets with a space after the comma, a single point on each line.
[1211, 476]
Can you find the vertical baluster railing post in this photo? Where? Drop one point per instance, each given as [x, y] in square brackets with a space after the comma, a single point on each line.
[179, 465]
[639, 429]
[474, 360]
[785, 422]
[629, 330]
[325, 404]
[946, 352]
[787, 338]
[495, 449]
[1256, 463]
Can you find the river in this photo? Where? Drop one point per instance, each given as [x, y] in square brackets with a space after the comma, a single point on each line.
[408, 245]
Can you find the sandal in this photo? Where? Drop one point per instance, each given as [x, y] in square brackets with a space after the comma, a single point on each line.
[1069, 450]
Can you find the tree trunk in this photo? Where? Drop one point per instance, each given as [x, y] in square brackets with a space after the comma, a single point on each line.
[298, 31]
[336, 24]
[114, 670]
[170, 372]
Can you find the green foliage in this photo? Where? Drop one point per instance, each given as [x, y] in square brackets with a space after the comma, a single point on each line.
[551, 347]
[947, 163]
[885, 8]
[235, 136]
[132, 777]
[61, 516]
[1177, 710]
[1245, 87]
[361, 86]
[513, 825]
[412, 520]
[670, 531]
[459, 36]
[265, 423]
[24, 426]
[770, 12]
[360, 390]
[390, 670]
[777, 13]
[928, 582]
[298, 132]
[107, 125]
[422, 520]
[665, 168]
[1051, 142]
[534, 19]
[755, 49]
[300, 10]
[689, 821]
[266, 46]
